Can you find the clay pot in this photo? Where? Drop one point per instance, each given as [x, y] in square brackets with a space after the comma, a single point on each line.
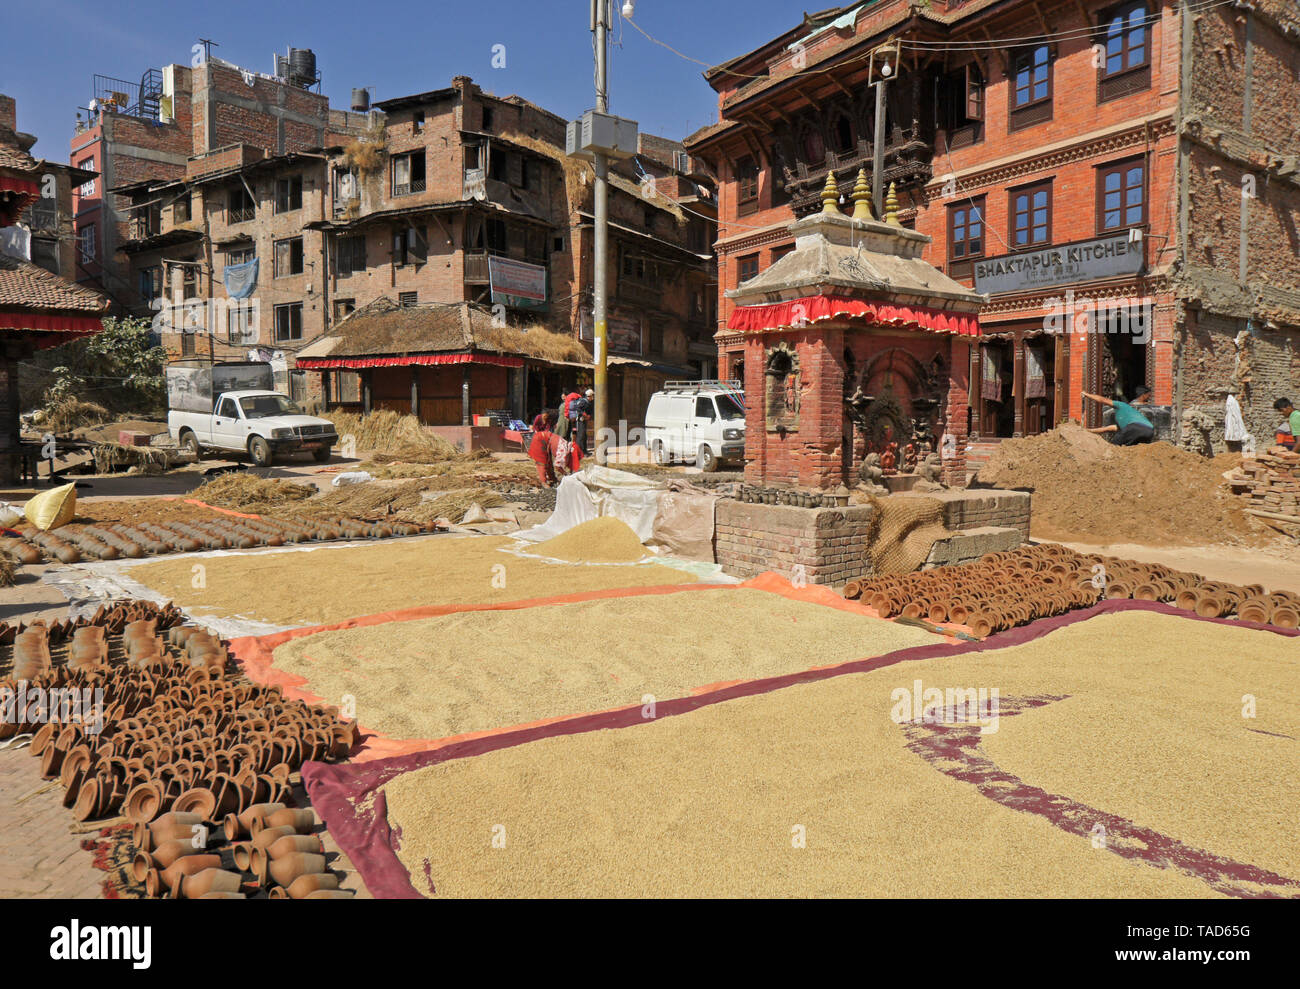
[198, 800]
[302, 821]
[1210, 605]
[88, 798]
[143, 802]
[168, 852]
[981, 625]
[1285, 616]
[1255, 610]
[285, 870]
[208, 881]
[188, 865]
[290, 843]
[268, 836]
[303, 886]
[1186, 599]
[1146, 592]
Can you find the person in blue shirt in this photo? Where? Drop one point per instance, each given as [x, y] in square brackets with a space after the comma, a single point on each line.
[1131, 426]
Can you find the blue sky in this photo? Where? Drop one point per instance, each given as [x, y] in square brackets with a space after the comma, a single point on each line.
[56, 46]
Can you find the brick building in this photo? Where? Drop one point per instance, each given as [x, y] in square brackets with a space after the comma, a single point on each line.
[448, 196]
[1088, 178]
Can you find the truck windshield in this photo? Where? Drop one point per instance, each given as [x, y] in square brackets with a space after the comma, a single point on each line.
[261, 406]
[729, 408]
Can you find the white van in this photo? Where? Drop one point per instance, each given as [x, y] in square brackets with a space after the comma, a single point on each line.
[703, 421]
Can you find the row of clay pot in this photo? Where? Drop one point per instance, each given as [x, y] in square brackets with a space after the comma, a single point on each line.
[111, 541]
[177, 857]
[1002, 590]
[111, 618]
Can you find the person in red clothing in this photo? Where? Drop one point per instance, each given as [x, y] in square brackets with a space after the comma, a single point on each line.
[544, 422]
[542, 450]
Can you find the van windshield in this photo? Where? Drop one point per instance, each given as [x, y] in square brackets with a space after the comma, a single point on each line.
[729, 408]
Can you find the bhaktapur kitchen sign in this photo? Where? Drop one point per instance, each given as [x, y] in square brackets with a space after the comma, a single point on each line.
[1100, 257]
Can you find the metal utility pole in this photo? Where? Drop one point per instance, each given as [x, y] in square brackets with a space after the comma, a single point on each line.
[600, 27]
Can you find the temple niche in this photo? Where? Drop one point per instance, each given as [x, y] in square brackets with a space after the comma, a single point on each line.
[781, 388]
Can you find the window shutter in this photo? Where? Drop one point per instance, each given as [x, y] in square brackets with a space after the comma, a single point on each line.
[974, 92]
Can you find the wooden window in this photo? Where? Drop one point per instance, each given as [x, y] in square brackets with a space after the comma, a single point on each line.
[408, 173]
[86, 188]
[746, 268]
[408, 299]
[288, 322]
[1030, 210]
[959, 106]
[288, 194]
[410, 246]
[241, 327]
[349, 255]
[1031, 77]
[150, 283]
[189, 281]
[966, 230]
[344, 308]
[1121, 195]
[1124, 34]
[187, 344]
[240, 208]
[747, 183]
[182, 208]
[1125, 38]
[288, 257]
[86, 243]
[238, 255]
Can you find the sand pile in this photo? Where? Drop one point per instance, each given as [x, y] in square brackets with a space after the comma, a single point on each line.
[250, 493]
[1086, 490]
[393, 436]
[330, 584]
[602, 540]
[816, 790]
[474, 671]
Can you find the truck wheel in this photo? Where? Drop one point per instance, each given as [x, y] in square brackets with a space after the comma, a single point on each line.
[660, 454]
[322, 455]
[706, 461]
[260, 451]
[190, 444]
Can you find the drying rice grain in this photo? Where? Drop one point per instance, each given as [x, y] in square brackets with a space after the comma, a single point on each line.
[711, 803]
[601, 540]
[330, 584]
[474, 671]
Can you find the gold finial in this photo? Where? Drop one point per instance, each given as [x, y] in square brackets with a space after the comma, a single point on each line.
[862, 197]
[891, 207]
[830, 195]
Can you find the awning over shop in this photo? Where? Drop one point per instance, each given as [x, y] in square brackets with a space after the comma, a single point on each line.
[811, 309]
[406, 360]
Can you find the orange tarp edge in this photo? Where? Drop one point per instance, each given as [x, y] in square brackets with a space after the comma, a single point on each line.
[204, 504]
[257, 653]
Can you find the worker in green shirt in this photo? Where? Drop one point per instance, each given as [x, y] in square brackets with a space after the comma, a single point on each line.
[1131, 426]
[1284, 406]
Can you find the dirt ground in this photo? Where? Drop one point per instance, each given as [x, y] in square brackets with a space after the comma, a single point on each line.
[1155, 494]
[1132, 722]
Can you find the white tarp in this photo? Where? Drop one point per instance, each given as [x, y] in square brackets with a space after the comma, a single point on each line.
[597, 491]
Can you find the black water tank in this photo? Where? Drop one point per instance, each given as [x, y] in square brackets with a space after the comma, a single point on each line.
[360, 100]
[302, 66]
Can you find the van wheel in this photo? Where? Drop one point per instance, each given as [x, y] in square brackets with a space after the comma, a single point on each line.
[322, 455]
[706, 461]
[660, 454]
[190, 444]
[260, 451]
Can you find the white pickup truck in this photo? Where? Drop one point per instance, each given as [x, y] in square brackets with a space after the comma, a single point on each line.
[258, 422]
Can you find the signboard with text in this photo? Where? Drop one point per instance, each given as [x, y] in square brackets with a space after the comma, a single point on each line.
[623, 332]
[1101, 257]
[517, 284]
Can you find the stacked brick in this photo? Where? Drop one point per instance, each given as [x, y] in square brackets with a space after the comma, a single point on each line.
[1271, 483]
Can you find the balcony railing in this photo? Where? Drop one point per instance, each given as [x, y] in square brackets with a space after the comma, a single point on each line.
[407, 188]
[241, 214]
[143, 227]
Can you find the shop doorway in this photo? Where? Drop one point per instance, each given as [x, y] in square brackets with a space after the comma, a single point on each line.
[997, 400]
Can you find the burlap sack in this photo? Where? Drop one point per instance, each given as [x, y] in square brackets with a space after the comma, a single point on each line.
[902, 532]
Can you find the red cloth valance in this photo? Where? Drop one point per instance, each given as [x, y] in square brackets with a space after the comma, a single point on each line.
[813, 308]
[345, 363]
[26, 187]
[51, 330]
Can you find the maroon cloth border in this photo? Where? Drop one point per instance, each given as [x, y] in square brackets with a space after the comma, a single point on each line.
[360, 826]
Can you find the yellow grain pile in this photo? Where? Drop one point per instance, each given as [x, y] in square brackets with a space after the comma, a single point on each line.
[476, 671]
[248, 492]
[813, 791]
[330, 584]
[601, 540]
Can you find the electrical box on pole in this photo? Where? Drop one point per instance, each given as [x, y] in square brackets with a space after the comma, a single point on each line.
[602, 133]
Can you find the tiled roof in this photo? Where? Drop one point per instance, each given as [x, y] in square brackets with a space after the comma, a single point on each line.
[19, 161]
[24, 285]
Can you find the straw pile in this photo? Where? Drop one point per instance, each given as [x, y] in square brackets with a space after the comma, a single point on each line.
[7, 570]
[453, 505]
[475, 671]
[400, 437]
[816, 790]
[249, 493]
[68, 413]
[330, 584]
[601, 540]
[369, 500]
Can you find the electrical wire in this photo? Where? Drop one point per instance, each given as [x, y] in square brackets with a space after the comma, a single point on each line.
[983, 45]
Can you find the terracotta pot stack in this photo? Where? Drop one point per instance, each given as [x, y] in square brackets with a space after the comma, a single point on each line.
[1002, 590]
[117, 540]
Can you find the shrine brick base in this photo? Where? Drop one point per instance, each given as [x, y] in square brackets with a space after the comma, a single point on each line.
[830, 543]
